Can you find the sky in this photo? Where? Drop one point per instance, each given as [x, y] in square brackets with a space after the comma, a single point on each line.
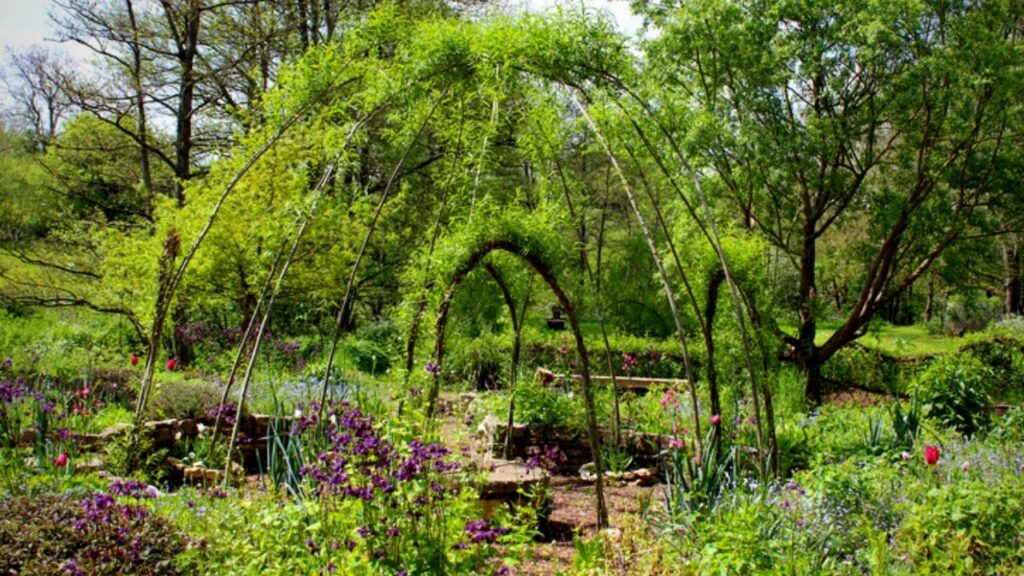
[25, 22]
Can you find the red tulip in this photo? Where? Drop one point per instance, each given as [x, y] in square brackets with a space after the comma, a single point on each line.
[171, 363]
[931, 454]
[716, 420]
[135, 360]
[61, 460]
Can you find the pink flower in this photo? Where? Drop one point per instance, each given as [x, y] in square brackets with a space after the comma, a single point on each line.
[931, 454]
[171, 363]
[696, 458]
[669, 400]
[965, 466]
[716, 419]
[675, 443]
[61, 460]
[134, 360]
[906, 456]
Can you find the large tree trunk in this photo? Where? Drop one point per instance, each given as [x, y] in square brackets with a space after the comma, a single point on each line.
[806, 353]
[187, 50]
[1012, 281]
[714, 282]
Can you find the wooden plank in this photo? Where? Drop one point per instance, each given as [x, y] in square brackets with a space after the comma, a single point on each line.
[547, 377]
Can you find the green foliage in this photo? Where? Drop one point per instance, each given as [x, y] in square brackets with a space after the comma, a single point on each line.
[537, 404]
[970, 312]
[614, 460]
[955, 391]
[906, 425]
[481, 361]
[131, 455]
[697, 479]
[1004, 356]
[38, 535]
[26, 209]
[970, 526]
[368, 356]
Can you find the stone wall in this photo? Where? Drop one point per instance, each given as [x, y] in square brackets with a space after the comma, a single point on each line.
[575, 444]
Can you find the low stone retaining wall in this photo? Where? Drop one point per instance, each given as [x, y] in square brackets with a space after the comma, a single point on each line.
[645, 448]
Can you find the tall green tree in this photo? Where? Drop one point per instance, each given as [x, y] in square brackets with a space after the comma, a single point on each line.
[814, 115]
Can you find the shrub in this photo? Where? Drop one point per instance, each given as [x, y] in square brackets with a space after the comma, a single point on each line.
[970, 312]
[482, 361]
[1005, 357]
[126, 457]
[184, 399]
[536, 404]
[965, 527]
[369, 356]
[955, 390]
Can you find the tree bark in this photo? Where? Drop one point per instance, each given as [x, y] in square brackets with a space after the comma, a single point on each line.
[1012, 281]
[807, 352]
[710, 309]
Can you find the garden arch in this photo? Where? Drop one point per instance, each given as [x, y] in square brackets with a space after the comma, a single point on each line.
[545, 271]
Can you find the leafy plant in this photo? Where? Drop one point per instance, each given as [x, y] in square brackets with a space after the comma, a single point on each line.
[52, 534]
[955, 391]
[536, 404]
[369, 356]
[906, 425]
[615, 460]
[134, 454]
[696, 482]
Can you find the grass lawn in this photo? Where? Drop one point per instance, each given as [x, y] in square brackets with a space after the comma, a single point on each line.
[912, 340]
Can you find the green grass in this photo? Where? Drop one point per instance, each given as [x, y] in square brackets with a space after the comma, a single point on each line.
[914, 340]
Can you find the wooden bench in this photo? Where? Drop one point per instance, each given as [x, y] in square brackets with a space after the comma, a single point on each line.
[635, 383]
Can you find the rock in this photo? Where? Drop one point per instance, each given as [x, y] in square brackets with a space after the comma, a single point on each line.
[162, 432]
[203, 476]
[27, 437]
[200, 476]
[95, 464]
[188, 428]
[508, 478]
[260, 425]
[506, 484]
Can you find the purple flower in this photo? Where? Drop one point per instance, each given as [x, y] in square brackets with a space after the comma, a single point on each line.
[7, 363]
[432, 368]
[479, 531]
[549, 458]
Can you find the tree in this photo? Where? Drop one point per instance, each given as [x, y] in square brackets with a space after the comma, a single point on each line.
[35, 83]
[816, 115]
